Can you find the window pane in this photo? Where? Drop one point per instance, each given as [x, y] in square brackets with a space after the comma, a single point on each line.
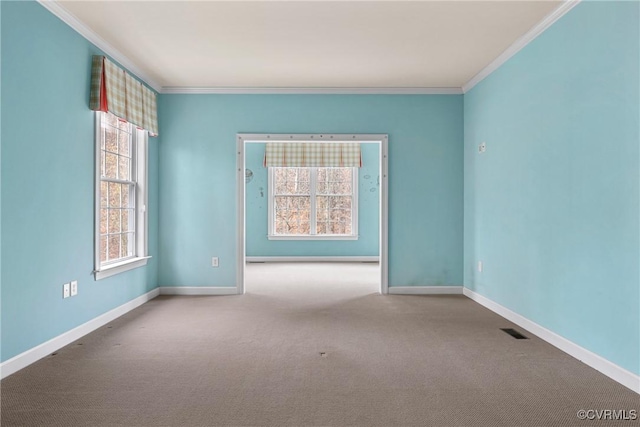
[103, 194]
[281, 226]
[126, 249]
[103, 249]
[321, 227]
[103, 221]
[341, 202]
[322, 208]
[127, 220]
[124, 144]
[340, 215]
[128, 192]
[110, 119]
[123, 125]
[301, 187]
[281, 203]
[123, 246]
[340, 187]
[114, 221]
[111, 136]
[114, 194]
[337, 228]
[111, 165]
[292, 214]
[114, 247]
[305, 204]
[292, 180]
[124, 166]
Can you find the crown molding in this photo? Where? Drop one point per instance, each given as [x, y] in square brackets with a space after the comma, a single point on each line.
[521, 42]
[68, 18]
[314, 90]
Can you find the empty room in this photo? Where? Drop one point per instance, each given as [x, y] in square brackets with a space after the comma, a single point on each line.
[320, 213]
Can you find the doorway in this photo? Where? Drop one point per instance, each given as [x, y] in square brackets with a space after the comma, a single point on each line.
[379, 141]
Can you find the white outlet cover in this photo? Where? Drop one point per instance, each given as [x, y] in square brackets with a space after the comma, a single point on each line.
[482, 147]
[66, 290]
[74, 288]
[214, 261]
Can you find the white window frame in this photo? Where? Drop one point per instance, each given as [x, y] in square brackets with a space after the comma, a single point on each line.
[313, 178]
[139, 168]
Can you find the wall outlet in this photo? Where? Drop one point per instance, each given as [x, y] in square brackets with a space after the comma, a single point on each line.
[74, 288]
[214, 261]
[482, 147]
[66, 290]
[479, 266]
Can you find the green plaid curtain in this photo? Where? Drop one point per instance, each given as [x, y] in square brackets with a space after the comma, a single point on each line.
[116, 91]
[310, 154]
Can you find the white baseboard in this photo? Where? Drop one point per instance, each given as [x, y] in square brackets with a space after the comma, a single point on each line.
[425, 290]
[34, 354]
[197, 290]
[610, 369]
[312, 259]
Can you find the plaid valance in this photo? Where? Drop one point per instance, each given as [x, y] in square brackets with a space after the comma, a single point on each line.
[312, 154]
[116, 91]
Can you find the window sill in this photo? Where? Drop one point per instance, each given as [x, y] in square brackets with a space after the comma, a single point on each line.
[301, 237]
[121, 267]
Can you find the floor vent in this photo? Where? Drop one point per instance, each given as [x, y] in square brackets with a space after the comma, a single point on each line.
[517, 335]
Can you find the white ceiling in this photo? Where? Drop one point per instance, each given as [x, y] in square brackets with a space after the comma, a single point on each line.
[310, 44]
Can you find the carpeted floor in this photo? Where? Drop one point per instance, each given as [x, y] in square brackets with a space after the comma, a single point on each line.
[309, 345]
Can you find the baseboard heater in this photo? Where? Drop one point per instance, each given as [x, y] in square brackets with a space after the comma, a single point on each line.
[262, 259]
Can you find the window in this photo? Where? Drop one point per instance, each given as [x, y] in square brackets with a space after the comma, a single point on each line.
[121, 196]
[313, 203]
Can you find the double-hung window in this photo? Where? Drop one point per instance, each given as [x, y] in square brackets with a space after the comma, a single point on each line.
[308, 203]
[121, 196]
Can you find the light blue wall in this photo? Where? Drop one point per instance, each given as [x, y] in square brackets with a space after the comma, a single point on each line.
[257, 210]
[48, 184]
[198, 181]
[551, 208]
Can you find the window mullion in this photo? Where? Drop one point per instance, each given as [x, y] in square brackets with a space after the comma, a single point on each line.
[313, 176]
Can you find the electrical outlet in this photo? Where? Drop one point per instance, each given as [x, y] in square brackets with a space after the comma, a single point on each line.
[74, 288]
[482, 147]
[479, 266]
[214, 261]
[66, 290]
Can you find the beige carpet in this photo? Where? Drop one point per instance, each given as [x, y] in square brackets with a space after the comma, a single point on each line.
[303, 348]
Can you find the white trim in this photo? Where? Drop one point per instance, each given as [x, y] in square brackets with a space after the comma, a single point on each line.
[121, 267]
[312, 259]
[521, 42]
[383, 201]
[240, 215]
[71, 20]
[314, 90]
[337, 138]
[425, 290]
[382, 139]
[197, 290]
[312, 237]
[34, 354]
[610, 369]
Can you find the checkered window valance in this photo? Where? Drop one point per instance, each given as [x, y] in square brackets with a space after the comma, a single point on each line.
[312, 154]
[116, 91]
